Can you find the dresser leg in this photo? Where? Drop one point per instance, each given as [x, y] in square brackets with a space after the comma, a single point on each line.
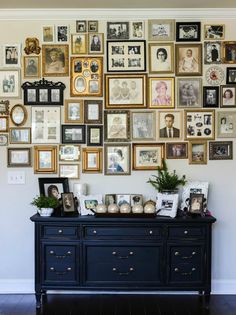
[38, 299]
[207, 296]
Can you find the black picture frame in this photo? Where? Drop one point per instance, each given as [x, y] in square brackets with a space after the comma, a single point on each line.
[94, 143]
[67, 139]
[231, 75]
[211, 96]
[46, 182]
[43, 92]
[188, 31]
[196, 202]
[220, 150]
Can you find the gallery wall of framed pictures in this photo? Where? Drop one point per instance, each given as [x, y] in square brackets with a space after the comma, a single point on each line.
[119, 96]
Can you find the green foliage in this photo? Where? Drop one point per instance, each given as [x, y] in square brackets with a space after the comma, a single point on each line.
[166, 180]
[45, 202]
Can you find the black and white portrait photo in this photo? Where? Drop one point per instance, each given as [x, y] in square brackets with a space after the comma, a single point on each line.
[211, 96]
[12, 55]
[212, 52]
[144, 125]
[55, 95]
[137, 29]
[231, 75]
[161, 30]
[214, 32]
[117, 30]
[161, 58]
[43, 95]
[31, 95]
[188, 31]
[189, 92]
[62, 33]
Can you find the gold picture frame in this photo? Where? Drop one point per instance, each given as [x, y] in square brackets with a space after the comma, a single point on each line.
[197, 152]
[20, 135]
[148, 156]
[45, 159]
[161, 93]
[229, 52]
[74, 111]
[92, 160]
[4, 123]
[32, 67]
[214, 31]
[55, 60]
[79, 43]
[18, 115]
[188, 60]
[161, 58]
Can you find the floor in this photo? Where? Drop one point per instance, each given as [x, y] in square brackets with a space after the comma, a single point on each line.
[94, 304]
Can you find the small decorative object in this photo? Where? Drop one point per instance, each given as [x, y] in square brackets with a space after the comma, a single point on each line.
[196, 203]
[214, 75]
[167, 204]
[113, 208]
[45, 205]
[89, 203]
[4, 108]
[125, 208]
[137, 208]
[150, 207]
[101, 208]
[80, 189]
[32, 46]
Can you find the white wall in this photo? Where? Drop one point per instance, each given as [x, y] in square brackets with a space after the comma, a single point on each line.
[16, 230]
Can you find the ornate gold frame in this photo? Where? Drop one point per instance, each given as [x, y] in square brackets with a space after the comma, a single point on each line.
[44, 60]
[70, 121]
[190, 151]
[85, 167]
[51, 170]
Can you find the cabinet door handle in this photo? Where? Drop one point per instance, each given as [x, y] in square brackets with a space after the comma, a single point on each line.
[61, 273]
[131, 269]
[123, 257]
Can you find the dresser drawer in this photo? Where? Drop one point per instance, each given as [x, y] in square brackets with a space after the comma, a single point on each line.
[57, 231]
[184, 254]
[60, 254]
[186, 232]
[186, 273]
[60, 273]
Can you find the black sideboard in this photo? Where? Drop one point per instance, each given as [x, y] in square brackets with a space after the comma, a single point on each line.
[131, 254]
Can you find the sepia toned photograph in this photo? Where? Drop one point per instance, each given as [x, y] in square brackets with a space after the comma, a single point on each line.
[48, 34]
[93, 111]
[189, 92]
[78, 44]
[226, 124]
[74, 111]
[137, 30]
[188, 31]
[94, 135]
[188, 59]
[161, 93]
[96, 43]
[211, 96]
[229, 52]
[161, 58]
[197, 152]
[212, 52]
[143, 125]
[117, 159]
[32, 67]
[81, 26]
[55, 60]
[117, 125]
[170, 125]
[228, 96]
[12, 55]
[161, 30]
[220, 150]
[147, 156]
[177, 150]
[62, 33]
[93, 26]
[117, 30]
[68, 203]
[214, 31]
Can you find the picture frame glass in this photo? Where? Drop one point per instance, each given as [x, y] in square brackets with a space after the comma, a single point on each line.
[200, 124]
[143, 125]
[117, 160]
[188, 59]
[170, 125]
[161, 93]
[161, 58]
[189, 92]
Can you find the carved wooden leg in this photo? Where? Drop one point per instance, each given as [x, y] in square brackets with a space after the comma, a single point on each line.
[207, 296]
[38, 296]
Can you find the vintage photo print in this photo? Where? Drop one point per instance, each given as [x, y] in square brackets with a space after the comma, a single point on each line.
[214, 32]
[170, 125]
[117, 125]
[12, 55]
[226, 124]
[231, 75]
[229, 52]
[68, 202]
[211, 96]
[96, 43]
[81, 26]
[55, 60]
[32, 67]
[92, 26]
[228, 96]
[220, 150]
[197, 152]
[117, 159]
[48, 34]
[161, 58]
[188, 59]
[69, 153]
[188, 31]
[161, 30]
[73, 134]
[62, 33]
[73, 111]
[177, 150]
[189, 92]
[161, 93]
[9, 83]
[196, 203]
[212, 52]
[199, 124]
[117, 30]
[137, 29]
[143, 125]
[78, 46]
[147, 156]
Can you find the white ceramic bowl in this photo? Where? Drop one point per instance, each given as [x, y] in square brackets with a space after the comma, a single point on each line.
[45, 212]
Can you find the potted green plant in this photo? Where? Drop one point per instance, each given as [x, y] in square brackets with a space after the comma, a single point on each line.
[45, 205]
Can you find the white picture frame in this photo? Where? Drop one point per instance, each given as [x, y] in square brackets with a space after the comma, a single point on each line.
[10, 80]
[69, 170]
[199, 187]
[167, 204]
[94, 200]
[11, 55]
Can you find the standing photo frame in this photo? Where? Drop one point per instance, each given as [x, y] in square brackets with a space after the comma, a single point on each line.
[167, 204]
[196, 204]
[198, 187]
[53, 186]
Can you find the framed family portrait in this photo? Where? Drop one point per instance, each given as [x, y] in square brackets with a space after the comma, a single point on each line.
[79, 43]
[4, 108]
[4, 123]
[137, 30]
[69, 170]
[199, 124]
[230, 75]
[10, 83]
[197, 152]
[161, 93]
[194, 188]
[92, 160]
[20, 135]
[95, 135]
[55, 60]
[188, 59]
[117, 125]
[177, 150]
[196, 204]
[46, 124]
[214, 31]
[226, 124]
[74, 111]
[32, 67]
[73, 134]
[93, 111]
[161, 30]
[147, 156]
[18, 115]
[188, 31]
[53, 186]
[227, 96]
[220, 150]
[3, 139]
[125, 90]
[170, 125]
[96, 43]
[143, 125]
[189, 92]
[69, 153]
[118, 30]
[48, 33]
[92, 26]
[18, 157]
[45, 159]
[11, 55]
[86, 76]
[62, 33]
[117, 159]
[212, 52]
[126, 56]
[161, 58]
[229, 52]
[211, 96]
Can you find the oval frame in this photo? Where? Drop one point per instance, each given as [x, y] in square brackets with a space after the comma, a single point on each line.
[25, 115]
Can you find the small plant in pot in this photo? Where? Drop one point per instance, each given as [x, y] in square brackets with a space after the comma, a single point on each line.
[45, 205]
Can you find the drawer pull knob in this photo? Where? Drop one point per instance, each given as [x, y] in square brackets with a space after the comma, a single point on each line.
[114, 253]
[176, 269]
[52, 269]
[51, 252]
[60, 231]
[114, 269]
[185, 232]
[131, 253]
[69, 269]
[131, 269]
[151, 232]
[193, 253]
[176, 253]
[193, 269]
[94, 232]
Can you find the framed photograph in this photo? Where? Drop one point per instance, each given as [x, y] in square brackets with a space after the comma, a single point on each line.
[143, 125]
[18, 157]
[188, 31]
[230, 75]
[188, 59]
[89, 202]
[55, 60]
[196, 203]
[220, 150]
[211, 96]
[20, 135]
[86, 76]
[161, 30]
[117, 125]
[74, 112]
[170, 125]
[32, 46]
[161, 92]
[4, 108]
[117, 159]
[79, 44]
[177, 150]
[48, 33]
[197, 152]
[214, 31]
[3, 140]
[93, 111]
[92, 160]
[96, 43]
[126, 56]
[18, 115]
[73, 134]
[122, 199]
[110, 199]
[32, 67]
[53, 186]
[46, 124]
[228, 96]
[10, 83]
[125, 91]
[69, 153]
[194, 188]
[68, 203]
[199, 124]
[189, 92]
[229, 52]
[12, 55]
[226, 124]
[117, 30]
[212, 52]
[136, 200]
[167, 204]
[4, 123]
[92, 26]
[45, 159]
[137, 30]
[69, 170]
[62, 33]
[147, 156]
[161, 58]
[95, 135]
[81, 26]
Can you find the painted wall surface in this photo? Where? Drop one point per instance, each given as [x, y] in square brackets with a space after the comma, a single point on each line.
[17, 231]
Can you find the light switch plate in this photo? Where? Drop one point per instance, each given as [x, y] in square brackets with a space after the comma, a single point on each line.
[16, 177]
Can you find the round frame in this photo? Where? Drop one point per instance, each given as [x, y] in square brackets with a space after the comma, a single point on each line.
[25, 115]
